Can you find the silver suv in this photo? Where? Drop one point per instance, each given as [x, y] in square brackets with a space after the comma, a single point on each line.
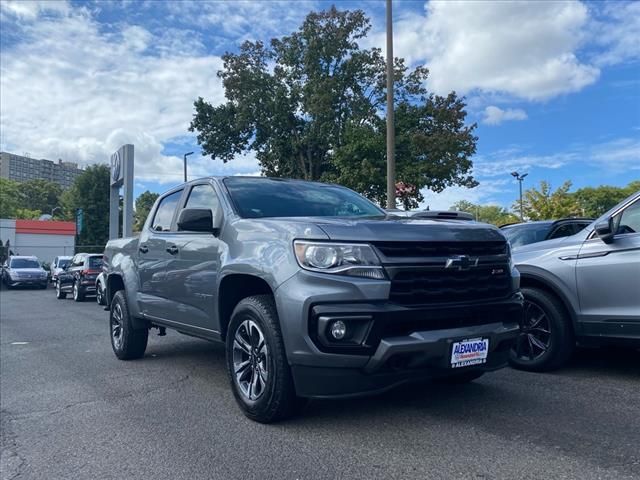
[583, 288]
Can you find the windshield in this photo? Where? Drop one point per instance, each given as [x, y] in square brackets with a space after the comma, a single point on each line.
[95, 262]
[24, 263]
[63, 263]
[526, 233]
[265, 197]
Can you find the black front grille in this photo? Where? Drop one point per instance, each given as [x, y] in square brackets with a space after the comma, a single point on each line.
[440, 249]
[425, 286]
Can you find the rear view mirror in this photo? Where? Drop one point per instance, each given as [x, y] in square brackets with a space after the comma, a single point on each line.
[604, 230]
[198, 220]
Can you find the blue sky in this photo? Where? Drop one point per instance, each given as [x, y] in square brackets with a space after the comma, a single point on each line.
[553, 86]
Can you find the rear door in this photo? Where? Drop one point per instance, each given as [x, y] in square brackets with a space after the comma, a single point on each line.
[192, 273]
[608, 278]
[154, 255]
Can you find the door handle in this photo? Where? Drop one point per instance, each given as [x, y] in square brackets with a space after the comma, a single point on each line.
[143, 249]
[172, 249]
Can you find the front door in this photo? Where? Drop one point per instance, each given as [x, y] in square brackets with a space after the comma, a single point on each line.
[192, 273]
[154, 256]
[608, 278]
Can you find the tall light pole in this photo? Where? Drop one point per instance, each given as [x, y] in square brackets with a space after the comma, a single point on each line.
[391, 160]
[520, 178]
[185, 164]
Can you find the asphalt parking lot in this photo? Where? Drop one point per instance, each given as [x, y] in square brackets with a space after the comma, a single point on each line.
[71, 410]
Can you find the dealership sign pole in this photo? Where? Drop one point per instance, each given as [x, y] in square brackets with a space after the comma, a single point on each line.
[121, 176]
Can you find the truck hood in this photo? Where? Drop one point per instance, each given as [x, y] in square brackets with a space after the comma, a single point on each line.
[394, 229]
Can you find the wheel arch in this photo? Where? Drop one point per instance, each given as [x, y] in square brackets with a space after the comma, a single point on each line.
[232, 289]
[533, 280]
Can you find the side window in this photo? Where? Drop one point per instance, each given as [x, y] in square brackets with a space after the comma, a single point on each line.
[563, 231]
[628, 221]
[164, 213]
[202, 196]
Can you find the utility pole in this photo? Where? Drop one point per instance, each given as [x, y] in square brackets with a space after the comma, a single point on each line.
[520, 178]
[391, 160]
[185, 165]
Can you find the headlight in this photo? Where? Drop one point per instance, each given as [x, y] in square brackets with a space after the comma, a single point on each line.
[357, 260]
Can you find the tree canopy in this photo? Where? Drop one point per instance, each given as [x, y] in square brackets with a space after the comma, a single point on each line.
[144, 202]
[90, 192]
[311, 105]
[486, 213]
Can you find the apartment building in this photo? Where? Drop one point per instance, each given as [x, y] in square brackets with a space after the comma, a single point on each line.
[21, 169]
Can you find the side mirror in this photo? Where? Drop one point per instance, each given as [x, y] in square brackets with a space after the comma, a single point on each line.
[604, 230]
[198, 220]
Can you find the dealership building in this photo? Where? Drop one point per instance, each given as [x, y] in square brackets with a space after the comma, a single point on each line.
[41, 238]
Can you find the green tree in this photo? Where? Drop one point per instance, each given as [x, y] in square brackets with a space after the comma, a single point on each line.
[39, 195]
[144, 202]
[9, 198]
[90, 192]
[311, 105]
[486, 213]
[545, 204]
[594, 201]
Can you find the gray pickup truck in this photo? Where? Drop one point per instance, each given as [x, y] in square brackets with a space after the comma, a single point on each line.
[315, 291]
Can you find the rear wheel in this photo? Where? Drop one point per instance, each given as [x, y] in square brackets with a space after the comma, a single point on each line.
[128, 343]
[546, 339]
[257, 364]
[60, 295]
[78, 292]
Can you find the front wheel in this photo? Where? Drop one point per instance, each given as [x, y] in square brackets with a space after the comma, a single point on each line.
[60, 295]
[546, 339]
[128, 343]
[99, 295]
[257, 364]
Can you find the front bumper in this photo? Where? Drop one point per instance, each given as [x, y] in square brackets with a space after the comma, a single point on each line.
[30, 282]
[393, 344]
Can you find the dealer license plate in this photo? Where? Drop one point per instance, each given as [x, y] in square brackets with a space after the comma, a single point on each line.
[469, 352]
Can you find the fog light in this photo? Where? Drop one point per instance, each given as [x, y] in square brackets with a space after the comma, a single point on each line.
[338, 329]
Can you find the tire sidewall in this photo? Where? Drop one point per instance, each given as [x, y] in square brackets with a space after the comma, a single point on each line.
[558, 326]
[243, 312]
[126, 350]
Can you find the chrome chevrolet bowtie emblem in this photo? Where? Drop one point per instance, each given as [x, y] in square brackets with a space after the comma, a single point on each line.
[461, 262]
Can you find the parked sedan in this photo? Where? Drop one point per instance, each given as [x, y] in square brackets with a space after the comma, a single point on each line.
[79, 277]
[584, 289]
[24, 271]
[520, 234]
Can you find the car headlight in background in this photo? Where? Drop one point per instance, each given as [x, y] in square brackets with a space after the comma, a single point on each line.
[354, 259]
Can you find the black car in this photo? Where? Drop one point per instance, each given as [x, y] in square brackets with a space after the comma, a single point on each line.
[79, 276]
[520, 234]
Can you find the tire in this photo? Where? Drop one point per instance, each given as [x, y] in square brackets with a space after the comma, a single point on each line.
[267, 370]
[78, 292]
[460, 378]
[127, 342]
[99, 295]
[60, 295]
[526, 353]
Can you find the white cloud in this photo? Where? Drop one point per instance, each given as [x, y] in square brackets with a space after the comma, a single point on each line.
[524, 49]
[616, 28]
[495, 116]
[618, 155]
[30, 10]
[72, 90]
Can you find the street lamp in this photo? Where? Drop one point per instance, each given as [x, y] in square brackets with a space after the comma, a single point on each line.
[520, 178]
[185, 164]
[53, 210]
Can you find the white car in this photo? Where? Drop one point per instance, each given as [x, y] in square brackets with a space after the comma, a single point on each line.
[57, 266]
